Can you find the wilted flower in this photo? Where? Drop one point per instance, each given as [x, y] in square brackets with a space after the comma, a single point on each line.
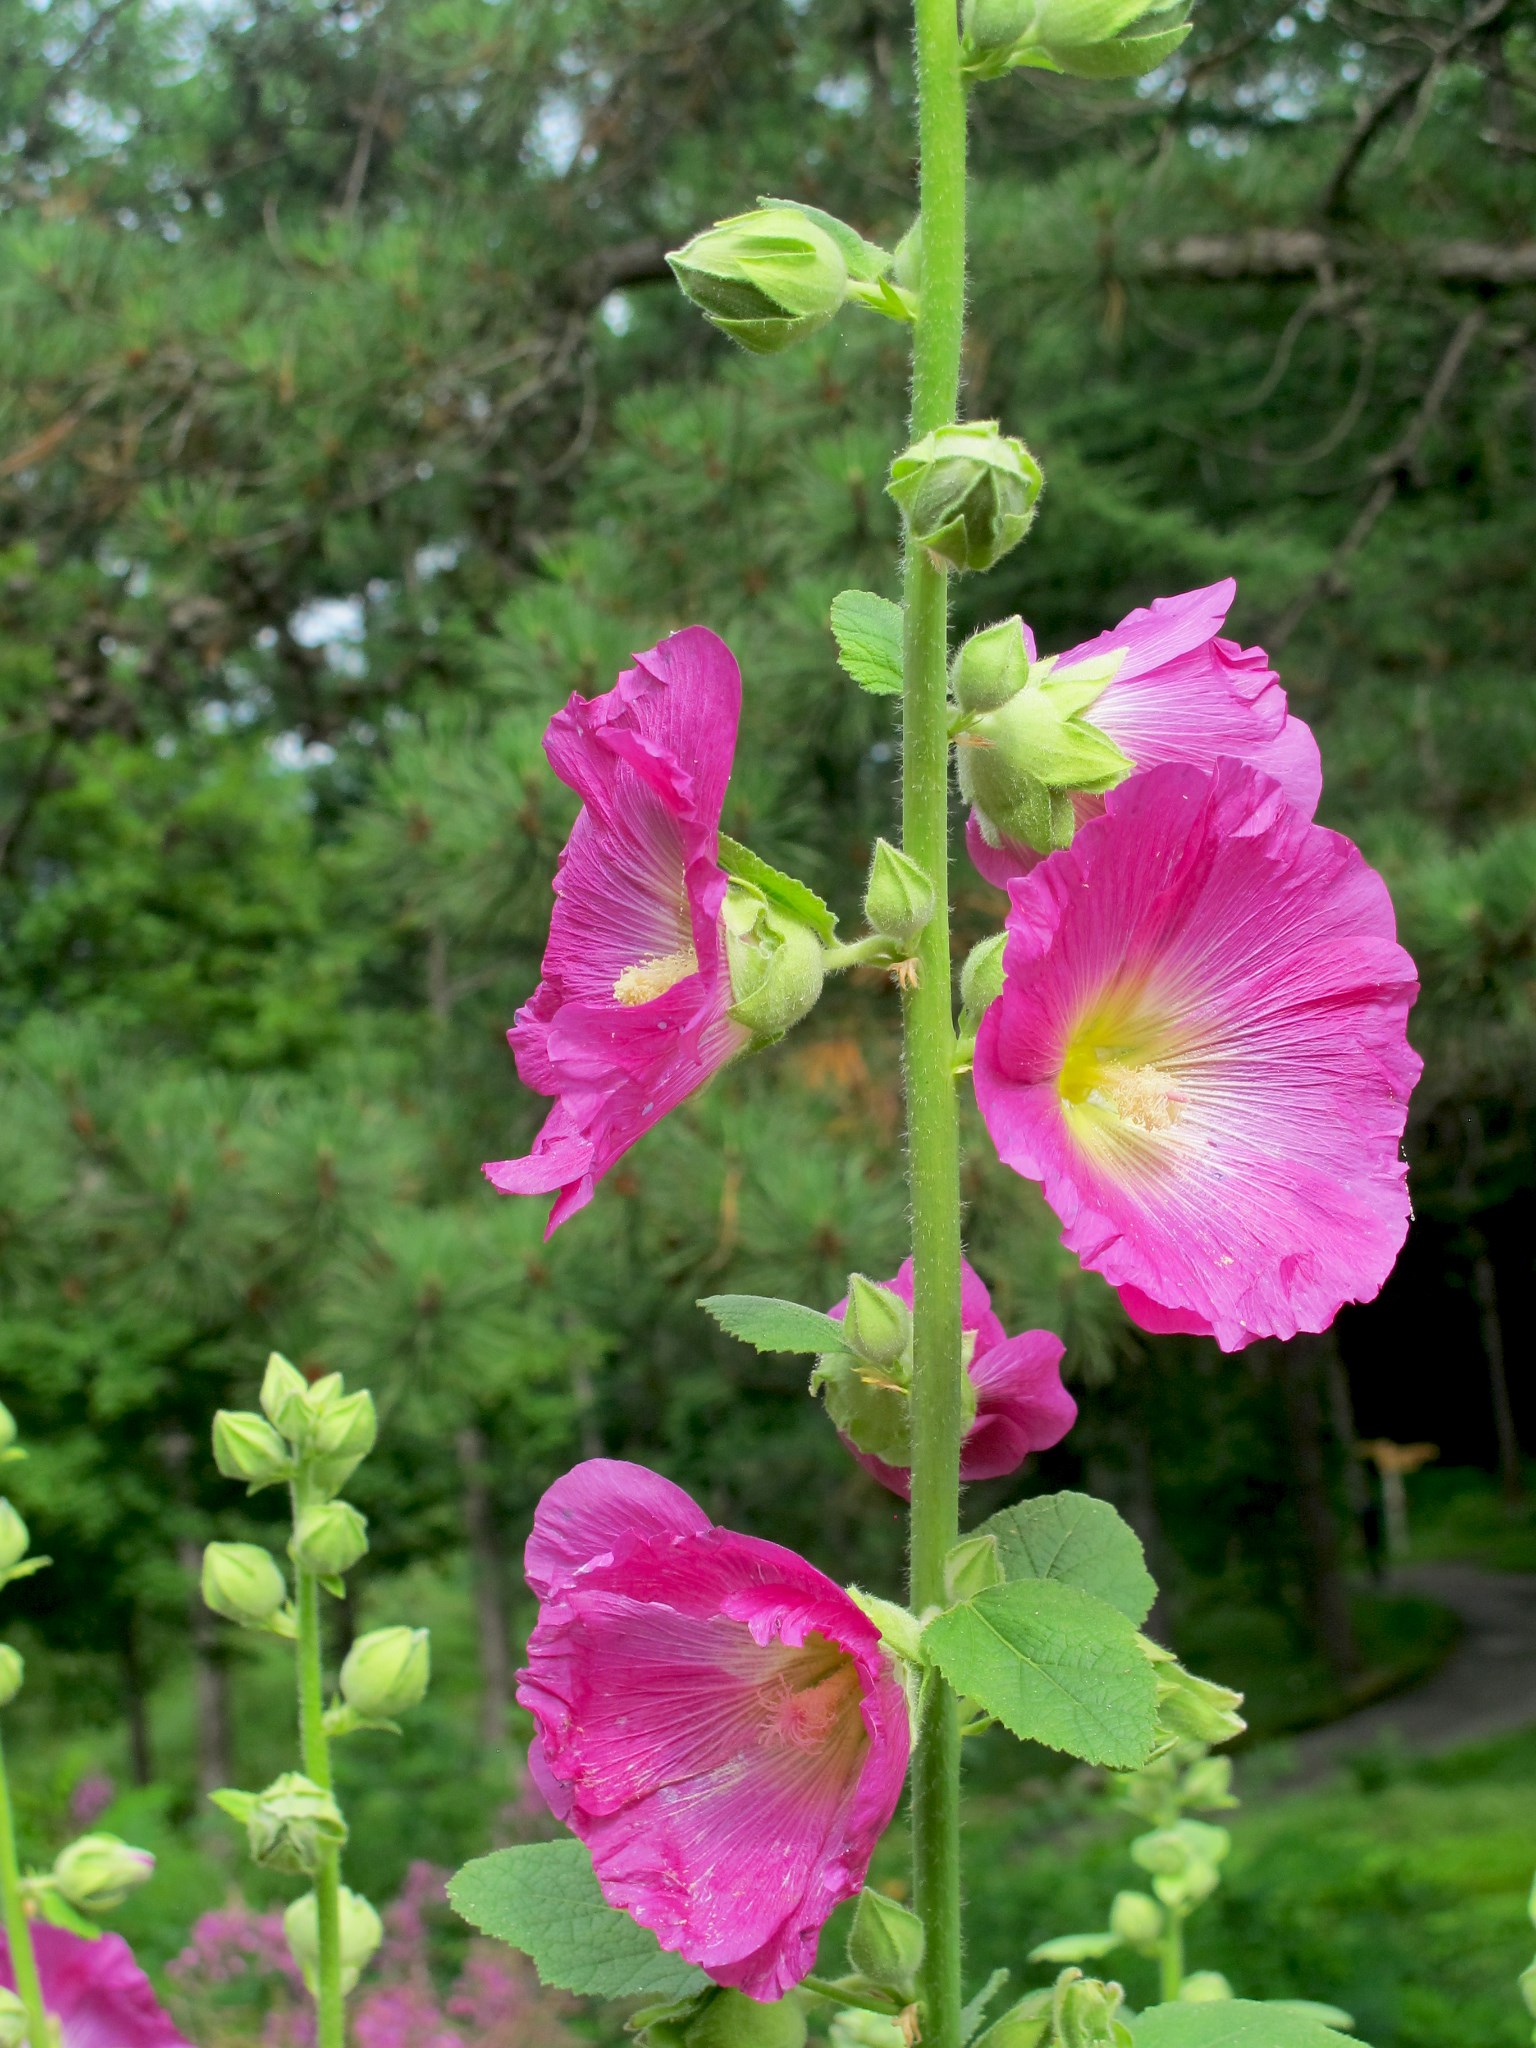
[1200, 1053]
[637, 1006]
[1021, 1404]
[715, 1719]
[95, 1991]
[1177, 691]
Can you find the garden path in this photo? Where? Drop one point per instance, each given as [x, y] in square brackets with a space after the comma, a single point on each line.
[1485, 1688]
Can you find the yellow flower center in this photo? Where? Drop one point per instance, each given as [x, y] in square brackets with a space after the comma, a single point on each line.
[648, 979]
[1114, 1075]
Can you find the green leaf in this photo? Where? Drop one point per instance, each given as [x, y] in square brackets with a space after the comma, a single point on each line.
[1081, 1542]
[771, 1325]
[784, 890]
[543, 1898]
[1074, 1948]
[1054, 1665]
[868, 634]
[1233, 2023]
[866, 261]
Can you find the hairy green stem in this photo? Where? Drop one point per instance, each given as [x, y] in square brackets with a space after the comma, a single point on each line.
[330, 2029]
[18, 1932]
[1170, 1957]
[933, 1149]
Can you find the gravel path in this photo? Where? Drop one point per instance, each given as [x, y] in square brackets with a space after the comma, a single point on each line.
[1486, 1687]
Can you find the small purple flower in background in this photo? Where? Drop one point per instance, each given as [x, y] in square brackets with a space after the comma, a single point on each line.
[95, 1991]
[716, 1720]
[1200, 1052]
[1021, 1404]
[631, 1014]
[92, 1795]
[1181, 693]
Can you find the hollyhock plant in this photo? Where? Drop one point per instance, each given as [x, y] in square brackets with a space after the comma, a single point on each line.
[633, 1008]
[716, 1720]
[1021, 1404]
[95, 1991]
[1200, 1051]
[1180, 692]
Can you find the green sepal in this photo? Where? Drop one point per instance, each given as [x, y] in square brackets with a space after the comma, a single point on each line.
[51, 1906]
[866, 261]
[24, 1570]
[893, 300]
[790, 895]
[899, 1628]
[1075, 1948]
[1121, 57]
[975, 2010]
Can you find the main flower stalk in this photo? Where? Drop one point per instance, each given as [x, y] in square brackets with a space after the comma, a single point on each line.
[932, 1124]
[18, 1932]
[330, 2026]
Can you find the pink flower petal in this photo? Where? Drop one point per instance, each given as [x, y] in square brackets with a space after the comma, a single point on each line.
[638, 895]
[597, 1509]
[721, 1727]
[96, 1991]
[1200, 1052]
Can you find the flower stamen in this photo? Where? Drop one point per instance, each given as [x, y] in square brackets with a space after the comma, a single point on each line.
[648, 979]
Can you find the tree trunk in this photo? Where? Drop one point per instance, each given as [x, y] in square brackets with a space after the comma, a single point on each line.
[140, 1758]
[1301, 1364]
[1485, 1287]
[210, 1679]
[488, 1572]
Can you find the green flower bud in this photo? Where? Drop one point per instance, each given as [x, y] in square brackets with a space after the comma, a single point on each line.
[869, 1405]
[1136, 1920]
[1527, 1982]
[1205, 1987]
[361, 1932]
[767, 278]
[13, 2020]
[1025, 2025]
[732, 2020]
[1182, 1860]
[990, 31]
[775, 963]
[98, 1872]
[972, 1567]
[284, 1397]
[878, 1323]
[7, 1430]
[290, 1825]
[385, 1672]
[1018, 764]
[991, 667]
[1195, 1709]
[1207, 1785]
[968, 492]
[242, 1582]
[347, 1427]
[855, 2029]
[12, 1671]
[329, 1539]
[886, 1943]
[907, 263]
[981, 979]
[1085, 2013]
[246, 1446]
[899, 899]
[13, 1536]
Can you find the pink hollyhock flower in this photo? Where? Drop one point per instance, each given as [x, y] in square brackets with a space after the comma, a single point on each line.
[95, 1991]
[1021, 1404]
[1181, 693]
[716, 1720]
[632, 1011]
[1200, 1052]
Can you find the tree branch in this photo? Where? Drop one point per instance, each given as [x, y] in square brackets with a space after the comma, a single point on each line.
[1272, 255]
